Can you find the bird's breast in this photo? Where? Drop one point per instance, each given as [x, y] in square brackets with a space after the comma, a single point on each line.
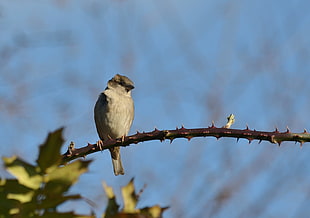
[118, 116]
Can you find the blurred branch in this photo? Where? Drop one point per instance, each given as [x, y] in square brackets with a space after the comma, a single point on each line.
[274, 137]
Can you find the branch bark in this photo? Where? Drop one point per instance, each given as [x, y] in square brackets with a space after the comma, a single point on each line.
[274, 137]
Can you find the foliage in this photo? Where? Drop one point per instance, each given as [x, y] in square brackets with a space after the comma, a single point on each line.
[37, 190]
[130, 198]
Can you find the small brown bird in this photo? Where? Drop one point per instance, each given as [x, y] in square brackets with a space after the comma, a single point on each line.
[114, 113]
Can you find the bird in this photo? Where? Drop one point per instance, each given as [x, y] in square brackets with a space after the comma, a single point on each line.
[114, 114]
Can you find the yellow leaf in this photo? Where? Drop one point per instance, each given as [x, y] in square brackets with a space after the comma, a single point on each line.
[14, 211]
[23, 198]
[62, 178]
[108, 190]
[112, 207]
[155, 211]
[130, 198]
[25, 173]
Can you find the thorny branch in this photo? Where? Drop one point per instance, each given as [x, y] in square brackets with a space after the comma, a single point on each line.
[274, 137]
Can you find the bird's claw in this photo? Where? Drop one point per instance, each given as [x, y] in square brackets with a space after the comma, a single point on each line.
[123, 139]
[100, 144]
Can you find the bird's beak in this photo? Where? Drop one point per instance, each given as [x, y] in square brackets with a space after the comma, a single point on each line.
[129, 87]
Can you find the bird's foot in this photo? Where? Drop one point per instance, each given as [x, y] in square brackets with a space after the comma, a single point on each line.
[123, 139]
[100, 144]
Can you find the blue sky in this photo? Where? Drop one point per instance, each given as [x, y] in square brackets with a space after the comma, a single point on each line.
[192, 62]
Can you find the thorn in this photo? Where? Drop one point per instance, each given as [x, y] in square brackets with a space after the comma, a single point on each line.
[287, 130]
[260, 141]
[171, 140]
[182, 127]
[247, 127]
[301, 143]
[189, 138]
[155, 130]
[176, 128]
[250, 140]
[305, 131]
[238, 140]
[138, 132]
[279, 144]
[212, 125]
[217, 137]
[276, 130]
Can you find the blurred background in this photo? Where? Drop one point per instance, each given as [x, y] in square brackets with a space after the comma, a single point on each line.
[192, 62]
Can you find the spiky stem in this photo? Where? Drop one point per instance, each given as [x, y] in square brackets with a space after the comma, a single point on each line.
[274, 137]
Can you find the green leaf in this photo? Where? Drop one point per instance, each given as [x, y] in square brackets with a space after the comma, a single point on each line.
[61, 178]
[130, 198]
[112, 208]
[7, 204]
[25, 173]
[49, 155]
[38, 190]
[12, 186]
[55, 200]
[11, 189]
[63, 215]
[130, 202]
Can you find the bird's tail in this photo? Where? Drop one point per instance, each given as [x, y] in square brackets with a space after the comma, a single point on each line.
[117, 161]
[117, 166]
